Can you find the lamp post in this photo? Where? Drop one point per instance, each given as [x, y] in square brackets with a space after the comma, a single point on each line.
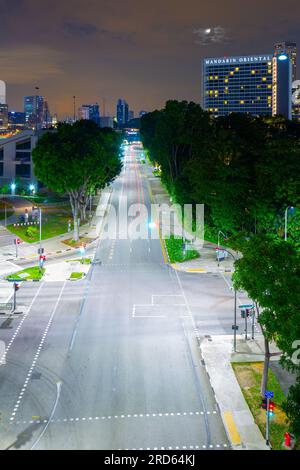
[234, 327]
[220, 233]
[40, 249]
[286, 222]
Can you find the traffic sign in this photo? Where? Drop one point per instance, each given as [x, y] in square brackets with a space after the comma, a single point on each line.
[269, 394]
[41, 251]
[235, 327]
[246, 306]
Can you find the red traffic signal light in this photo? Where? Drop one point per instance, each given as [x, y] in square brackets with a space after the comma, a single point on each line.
[271, 406]
[43, 258]
[16, 287]
[18, 241]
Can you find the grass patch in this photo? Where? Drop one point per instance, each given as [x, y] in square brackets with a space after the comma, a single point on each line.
[249, 377]
[75, 276]
[54, 223]
[81, 261]
[74, 244]
[175, 250]
[34, 273]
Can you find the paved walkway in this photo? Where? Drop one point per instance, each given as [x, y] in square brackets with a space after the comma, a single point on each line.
[208, 255]
[237, 417]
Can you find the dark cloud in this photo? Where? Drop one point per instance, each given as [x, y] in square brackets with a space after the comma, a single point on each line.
[144, 52]
[211, 35]
[76, 28]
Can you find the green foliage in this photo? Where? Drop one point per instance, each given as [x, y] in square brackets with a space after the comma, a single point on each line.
[269, 272]
[77, 155]
[292, 407]
[31, 232]
[34, 273]
[243, 168]
[175, 250]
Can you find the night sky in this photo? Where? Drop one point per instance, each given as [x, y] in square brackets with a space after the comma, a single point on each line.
[143, 51]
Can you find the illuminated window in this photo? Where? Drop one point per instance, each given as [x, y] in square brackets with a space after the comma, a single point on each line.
[237, 69]
[226, 80]
[258, 98]
[269, 86]
[264, 79]
[242, 102]
[231, 73]
[216, 109]
[225, 102]
[253, 72]
[216, 77]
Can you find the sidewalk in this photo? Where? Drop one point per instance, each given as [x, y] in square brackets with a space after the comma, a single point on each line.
[207, 263]
[239, 423]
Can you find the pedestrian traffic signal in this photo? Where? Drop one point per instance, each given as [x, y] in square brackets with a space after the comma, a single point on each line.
[18, 241]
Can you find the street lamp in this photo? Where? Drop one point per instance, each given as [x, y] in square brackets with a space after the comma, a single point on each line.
[13, 188]
[225, 236]
[286, 221]
[32, 188]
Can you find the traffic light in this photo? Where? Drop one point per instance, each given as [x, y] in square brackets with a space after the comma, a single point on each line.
[271, 406]
[18, 241]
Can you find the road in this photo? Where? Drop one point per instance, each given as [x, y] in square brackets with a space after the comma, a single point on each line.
[113, 362]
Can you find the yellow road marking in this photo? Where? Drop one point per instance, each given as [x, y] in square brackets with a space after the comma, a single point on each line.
[232, 429]
[195, 270]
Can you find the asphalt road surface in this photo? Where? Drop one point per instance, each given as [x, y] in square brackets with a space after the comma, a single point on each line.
[113, 362]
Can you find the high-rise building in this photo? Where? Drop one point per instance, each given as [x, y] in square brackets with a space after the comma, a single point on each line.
[122, 112]
[130, 115]
[16, 119]
[91, 112]
[106, 121]
[240, 84]
[2, 92]
[34, 111]
[3, 116]
[290, 49]
[282, 86]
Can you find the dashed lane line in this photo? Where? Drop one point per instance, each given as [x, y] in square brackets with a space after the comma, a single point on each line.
[29, 374]
[39, 420]
[3, 357]
[183, 447]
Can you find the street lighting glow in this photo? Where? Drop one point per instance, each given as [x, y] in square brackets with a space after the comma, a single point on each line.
[13, 186]
[31, 187]
[152, 225]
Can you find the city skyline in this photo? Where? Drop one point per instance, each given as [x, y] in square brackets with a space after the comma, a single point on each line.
[119, 48]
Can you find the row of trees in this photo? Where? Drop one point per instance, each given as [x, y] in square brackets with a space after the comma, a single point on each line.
[246, 171]
[76, 160]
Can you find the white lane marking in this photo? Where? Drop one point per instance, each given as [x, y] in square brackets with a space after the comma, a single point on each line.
[58, 389]
[3, 358]
[20, 397]
[123, 416]
[183, 447]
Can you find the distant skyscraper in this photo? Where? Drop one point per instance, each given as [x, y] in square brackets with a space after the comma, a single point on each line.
[106, 121]
[16, 119]
[2, 92]
[47, 115]
[3, 116]
[122, 112]
[91, 112]
[130, 115]
[34, 111]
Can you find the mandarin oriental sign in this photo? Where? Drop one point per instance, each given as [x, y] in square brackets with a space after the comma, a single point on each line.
[238, 60]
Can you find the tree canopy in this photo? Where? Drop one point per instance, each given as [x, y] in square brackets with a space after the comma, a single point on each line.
[77, 159]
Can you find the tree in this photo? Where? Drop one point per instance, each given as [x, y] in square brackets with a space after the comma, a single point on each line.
[292, 407]
[269, 272]
[76, 159]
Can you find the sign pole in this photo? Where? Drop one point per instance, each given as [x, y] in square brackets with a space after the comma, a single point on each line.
[268, 423]
[253, 322]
